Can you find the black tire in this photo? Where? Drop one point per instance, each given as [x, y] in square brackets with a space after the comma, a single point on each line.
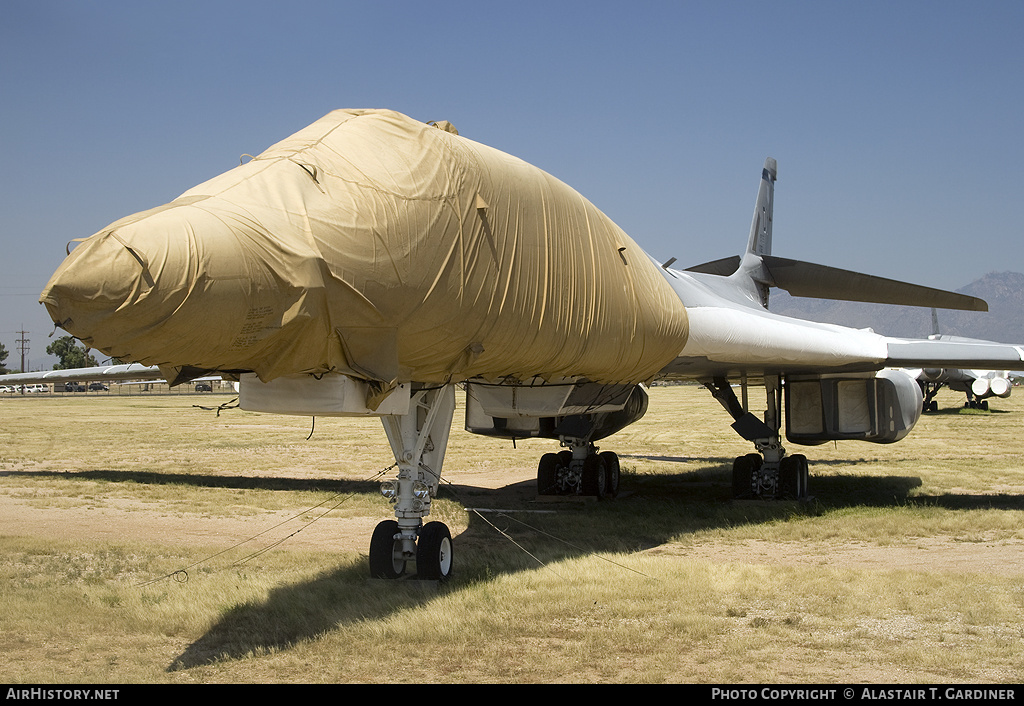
[743, 475]
[547, 475]
[434, 552]
[793, 476]
[611, 473]
[595, 475]
[788, 478]
[803, 475]
[386, 561]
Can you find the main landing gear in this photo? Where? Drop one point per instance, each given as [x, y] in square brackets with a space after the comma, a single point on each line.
[929, 390]
[579, 470]
[418, 440]
[751, 477]
[769, 473]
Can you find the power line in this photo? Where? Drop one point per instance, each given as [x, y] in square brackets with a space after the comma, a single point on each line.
[23, 347]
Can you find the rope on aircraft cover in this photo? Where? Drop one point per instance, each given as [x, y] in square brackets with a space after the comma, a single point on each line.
[574, 546]
[221, 407]
[181, 575]
[504, 513]
[514, 542]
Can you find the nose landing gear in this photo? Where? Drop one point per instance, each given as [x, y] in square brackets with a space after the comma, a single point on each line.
[419, 440]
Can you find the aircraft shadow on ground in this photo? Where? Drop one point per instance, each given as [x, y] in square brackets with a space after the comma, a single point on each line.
[691, 459]
[295, 613]
[650, 511]
[199, 480]
[965, 411]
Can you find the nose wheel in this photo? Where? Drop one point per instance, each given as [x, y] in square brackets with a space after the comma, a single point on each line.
[418, 439]
[434, 552]
[387, 561]
[390, 555]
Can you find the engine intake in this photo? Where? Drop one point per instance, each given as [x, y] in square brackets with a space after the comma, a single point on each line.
[880, 408]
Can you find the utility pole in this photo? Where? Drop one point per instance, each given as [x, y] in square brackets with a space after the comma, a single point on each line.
[23, 347]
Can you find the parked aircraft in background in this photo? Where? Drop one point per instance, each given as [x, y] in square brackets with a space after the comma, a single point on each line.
[370, 263]
[72, 379]
[977, 385]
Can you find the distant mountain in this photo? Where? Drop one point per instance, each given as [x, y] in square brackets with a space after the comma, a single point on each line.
[1003, 322]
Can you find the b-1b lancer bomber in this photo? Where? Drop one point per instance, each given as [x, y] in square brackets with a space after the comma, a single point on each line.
[371, 263]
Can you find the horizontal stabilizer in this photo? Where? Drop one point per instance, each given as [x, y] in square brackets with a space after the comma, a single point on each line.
[724, 267]
[805, 279]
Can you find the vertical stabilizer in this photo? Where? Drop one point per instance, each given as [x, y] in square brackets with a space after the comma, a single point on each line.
[760, 242]
[752, 268]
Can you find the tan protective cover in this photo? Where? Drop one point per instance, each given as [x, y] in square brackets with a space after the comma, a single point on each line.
[380, 247]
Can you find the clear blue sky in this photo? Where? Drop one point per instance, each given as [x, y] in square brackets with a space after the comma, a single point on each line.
[897, 125]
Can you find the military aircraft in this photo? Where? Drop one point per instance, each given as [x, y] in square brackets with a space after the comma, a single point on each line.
[370, 264]
[977, 385]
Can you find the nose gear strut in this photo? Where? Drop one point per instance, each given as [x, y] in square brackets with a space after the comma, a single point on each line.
[418, 440]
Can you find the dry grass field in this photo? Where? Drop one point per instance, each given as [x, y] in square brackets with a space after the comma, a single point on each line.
[146, 539]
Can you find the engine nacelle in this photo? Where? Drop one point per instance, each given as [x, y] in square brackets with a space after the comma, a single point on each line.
[881, 408]
[1000, 387]
[587, 411]
[990, 387]
[946, 375]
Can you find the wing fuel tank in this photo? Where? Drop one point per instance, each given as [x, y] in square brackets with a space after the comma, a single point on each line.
[376, 246]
